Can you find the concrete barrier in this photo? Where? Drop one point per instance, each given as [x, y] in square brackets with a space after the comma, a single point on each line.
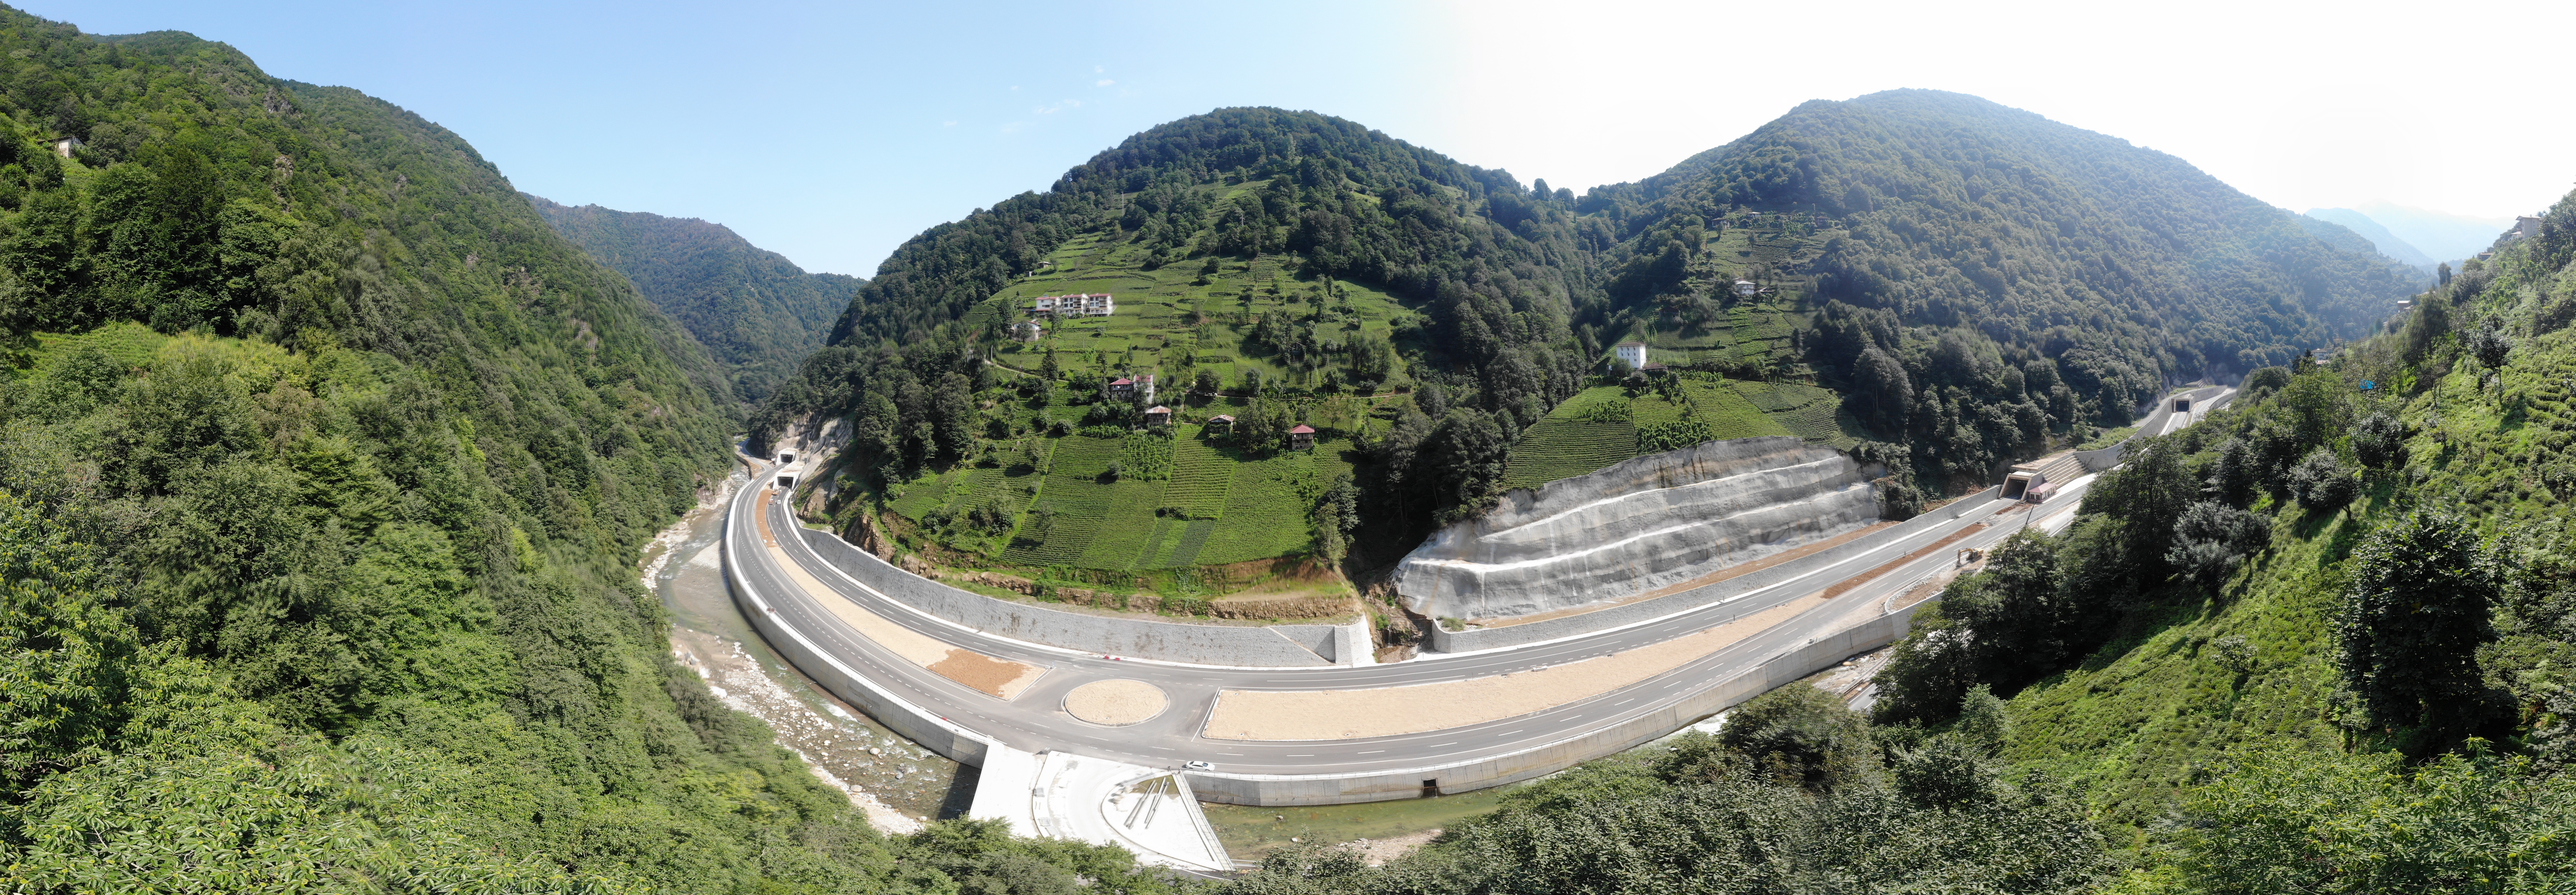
[1949, 518]
[915, 723]
[1275, 646]
[1334, 789]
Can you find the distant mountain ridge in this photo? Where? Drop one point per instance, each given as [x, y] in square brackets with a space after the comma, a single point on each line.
[2441, 236]
[757, 312]
[2387, 243]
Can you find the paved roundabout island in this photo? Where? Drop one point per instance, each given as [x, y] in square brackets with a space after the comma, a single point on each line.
[1116, 702]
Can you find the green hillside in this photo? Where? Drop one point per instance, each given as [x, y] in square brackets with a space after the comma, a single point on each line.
[2321, 641]
[1969, 259]
[325, 465]
[754, 310]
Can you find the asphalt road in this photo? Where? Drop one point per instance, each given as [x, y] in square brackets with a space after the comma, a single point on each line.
[1033, 721]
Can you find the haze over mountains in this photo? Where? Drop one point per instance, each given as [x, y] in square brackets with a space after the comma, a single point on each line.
[2415, 236]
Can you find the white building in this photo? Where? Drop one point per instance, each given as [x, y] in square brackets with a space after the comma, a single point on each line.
[65, 146]
[1076, 305]
[1632, 353]
[1027, 330]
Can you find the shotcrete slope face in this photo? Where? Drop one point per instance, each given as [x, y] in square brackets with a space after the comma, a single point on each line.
[1637, 526]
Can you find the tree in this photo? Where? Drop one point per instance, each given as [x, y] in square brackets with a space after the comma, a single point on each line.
[2212, 538]
[2322, 482]
[2236, 474]
[1884, 392]
[1047, 369]
[2413, 618]
[2490, 346]
[1337, 511]
[1802, 736]
[1983, 720]
[2379, 441]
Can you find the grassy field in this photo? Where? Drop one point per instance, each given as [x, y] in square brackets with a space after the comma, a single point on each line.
[1589, 431]
[1179, 502]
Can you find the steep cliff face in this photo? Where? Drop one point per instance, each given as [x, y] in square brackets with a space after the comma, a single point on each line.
[1637, 526]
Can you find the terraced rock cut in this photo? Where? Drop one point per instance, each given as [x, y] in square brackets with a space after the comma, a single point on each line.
[1638, 526]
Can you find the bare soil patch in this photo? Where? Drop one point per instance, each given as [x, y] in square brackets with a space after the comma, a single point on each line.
[1393, 711]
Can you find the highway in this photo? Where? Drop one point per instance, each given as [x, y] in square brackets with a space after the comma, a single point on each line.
[1034, 722]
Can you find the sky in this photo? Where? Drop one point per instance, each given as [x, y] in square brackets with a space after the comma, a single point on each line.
[831, 132]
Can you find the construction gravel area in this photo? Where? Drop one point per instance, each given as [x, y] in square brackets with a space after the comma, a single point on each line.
[1394, 711]
[1115, 703]
[997, 677]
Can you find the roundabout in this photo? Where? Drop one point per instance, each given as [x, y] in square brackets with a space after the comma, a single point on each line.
[1116, 702]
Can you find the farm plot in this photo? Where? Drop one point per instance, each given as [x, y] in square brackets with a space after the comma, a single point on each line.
[1080, 502]
[1201, 474]
[1265, 510]
[1580, 436]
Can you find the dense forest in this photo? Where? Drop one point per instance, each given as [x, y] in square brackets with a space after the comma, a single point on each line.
[324, 469]
[757, 312]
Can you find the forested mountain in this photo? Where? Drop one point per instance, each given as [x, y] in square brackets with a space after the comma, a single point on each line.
[1974, 258]
[1980, 283]
[756, 311]
[1286, 245]
[324, 469]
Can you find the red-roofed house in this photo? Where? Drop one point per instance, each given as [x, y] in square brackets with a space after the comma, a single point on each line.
[1124, 389]
[1301, 438]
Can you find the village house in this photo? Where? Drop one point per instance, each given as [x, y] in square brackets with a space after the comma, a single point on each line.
[1099, 304]
[1140, 388]
[1027, 331]
[1301, 438]
[1158, 415]
[1222, 420]
[1633, 353]
[65, 146]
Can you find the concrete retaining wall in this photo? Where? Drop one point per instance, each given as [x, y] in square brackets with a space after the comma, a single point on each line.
[1947, 519]
[915, 723]
[1276, 646]
[1639, 525]
[1787, 667]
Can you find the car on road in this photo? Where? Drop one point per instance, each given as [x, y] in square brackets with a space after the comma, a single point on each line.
[1199, 766]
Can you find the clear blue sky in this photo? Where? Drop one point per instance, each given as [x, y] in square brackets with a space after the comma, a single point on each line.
[831, 132]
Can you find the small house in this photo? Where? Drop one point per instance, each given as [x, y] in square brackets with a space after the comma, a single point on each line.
[2527, 227]
[1158, 415]
[1632, 353]
[65, 146]
[1027, 331]
[1301, 438]
[1747, 288]
[1140, 388]
[1222, 421]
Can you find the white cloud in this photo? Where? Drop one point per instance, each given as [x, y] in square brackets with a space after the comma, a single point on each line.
[1104, 82]
[948, 124]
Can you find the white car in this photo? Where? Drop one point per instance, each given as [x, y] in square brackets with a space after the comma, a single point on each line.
[1199, 766]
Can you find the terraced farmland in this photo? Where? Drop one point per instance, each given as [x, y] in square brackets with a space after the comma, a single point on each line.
[1575, 438]
[1200, 476]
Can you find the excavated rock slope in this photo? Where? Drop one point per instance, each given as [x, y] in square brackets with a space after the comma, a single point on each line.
[1638, 526]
